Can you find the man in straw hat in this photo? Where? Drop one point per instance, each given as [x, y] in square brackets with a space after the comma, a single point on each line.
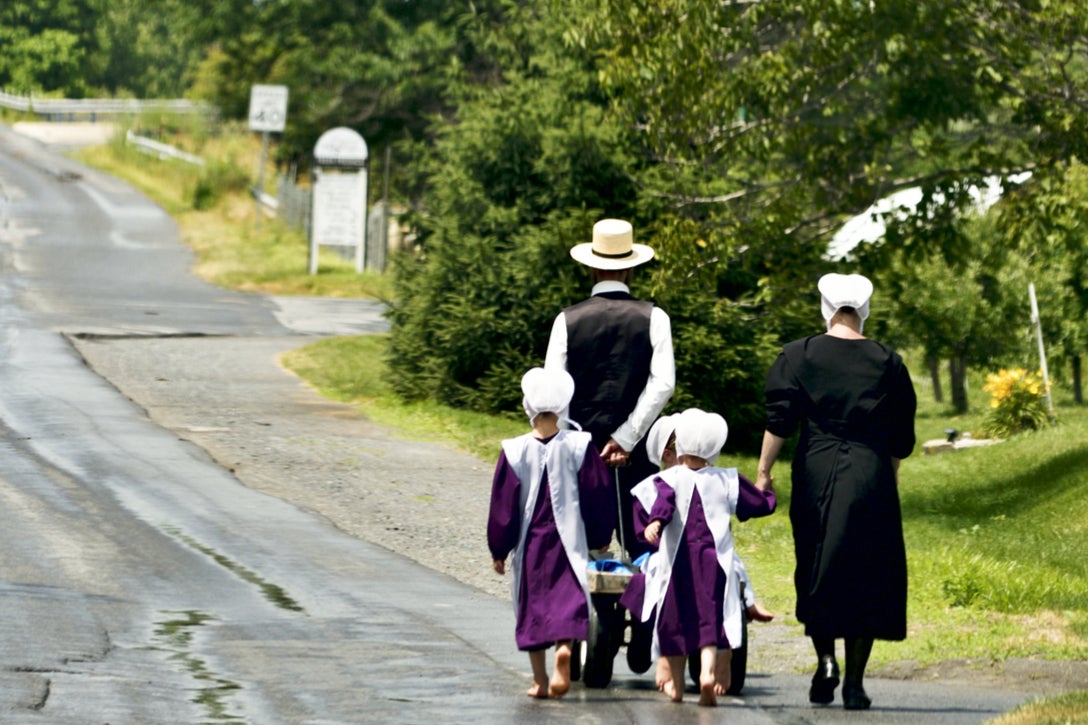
[619, 352]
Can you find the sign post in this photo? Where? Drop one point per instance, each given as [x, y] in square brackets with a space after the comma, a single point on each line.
[267, 114]
[1042, 350]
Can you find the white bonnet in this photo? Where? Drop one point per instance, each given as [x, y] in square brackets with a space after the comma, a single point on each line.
[700, 434]
[658, 438]
[546, 390]
[844, 290]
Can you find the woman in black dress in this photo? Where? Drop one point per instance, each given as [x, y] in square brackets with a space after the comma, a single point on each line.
[854, 404]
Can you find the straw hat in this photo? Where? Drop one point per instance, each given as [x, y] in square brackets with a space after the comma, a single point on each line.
[613, 247]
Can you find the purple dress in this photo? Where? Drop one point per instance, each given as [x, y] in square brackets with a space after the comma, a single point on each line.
[691, 612]
[552, 605]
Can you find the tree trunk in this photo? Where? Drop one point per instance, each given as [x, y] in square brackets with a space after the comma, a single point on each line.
[957, 369]
[935, 375]
[1078, 391]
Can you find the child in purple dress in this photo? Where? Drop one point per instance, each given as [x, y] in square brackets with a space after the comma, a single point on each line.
[661, 450]
[692, 589]
[552, 501]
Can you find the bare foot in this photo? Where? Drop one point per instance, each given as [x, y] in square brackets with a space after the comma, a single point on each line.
[759, 614]
[538, 691]
[707, 688]
[674, 692]
[723, 674]
[560, 684]
[662, 674]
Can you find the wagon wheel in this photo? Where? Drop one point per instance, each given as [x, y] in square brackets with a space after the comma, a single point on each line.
[738, 666]
[638, 648]
[576, 648]
[598, 651]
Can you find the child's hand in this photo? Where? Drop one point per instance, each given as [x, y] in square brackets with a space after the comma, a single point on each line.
[653, 532]
[499, 565]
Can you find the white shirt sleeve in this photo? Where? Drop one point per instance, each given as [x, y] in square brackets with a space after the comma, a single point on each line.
[556, 355]
[659, 385]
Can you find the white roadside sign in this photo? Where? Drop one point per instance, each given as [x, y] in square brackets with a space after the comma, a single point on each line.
[339, 214]
[268, 108]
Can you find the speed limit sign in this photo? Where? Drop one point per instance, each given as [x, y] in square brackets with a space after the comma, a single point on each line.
[267, 108]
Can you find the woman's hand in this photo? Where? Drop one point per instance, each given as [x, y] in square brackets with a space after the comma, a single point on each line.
[499, 565]
[653, 532]
[764, 481]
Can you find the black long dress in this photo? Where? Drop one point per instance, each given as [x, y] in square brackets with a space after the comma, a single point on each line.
[854, 404]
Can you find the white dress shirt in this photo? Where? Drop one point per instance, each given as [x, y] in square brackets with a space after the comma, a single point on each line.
[659, 385]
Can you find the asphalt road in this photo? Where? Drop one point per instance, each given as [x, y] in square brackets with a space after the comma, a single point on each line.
[142, 582]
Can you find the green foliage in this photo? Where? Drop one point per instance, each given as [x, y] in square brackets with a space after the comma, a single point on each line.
[78, 48]
[217, 179]
[37, 58]
[383, 68]
[515, 183]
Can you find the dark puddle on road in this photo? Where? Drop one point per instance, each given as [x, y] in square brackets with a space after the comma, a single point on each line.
[175, 635]
[271, 592]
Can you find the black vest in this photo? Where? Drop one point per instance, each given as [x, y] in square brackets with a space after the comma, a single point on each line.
[608, 355]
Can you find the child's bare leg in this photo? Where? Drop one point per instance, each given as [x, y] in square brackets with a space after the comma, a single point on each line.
[662, 674]
[723, 674]
[674, 685]
[758, 613]
[540, 674]
[560, 683]
[708, 657]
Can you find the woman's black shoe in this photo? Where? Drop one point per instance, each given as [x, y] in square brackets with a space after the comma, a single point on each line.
[854, 697]
[824, 681]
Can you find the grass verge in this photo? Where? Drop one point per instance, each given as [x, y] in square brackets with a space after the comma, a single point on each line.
[1068, 709]
[217, 218]
[352, 370]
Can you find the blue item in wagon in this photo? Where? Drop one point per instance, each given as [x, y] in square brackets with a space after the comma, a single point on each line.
[609, 566]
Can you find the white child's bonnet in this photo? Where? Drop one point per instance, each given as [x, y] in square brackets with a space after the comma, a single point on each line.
[547, 390]
[700, 434]
[658, 438]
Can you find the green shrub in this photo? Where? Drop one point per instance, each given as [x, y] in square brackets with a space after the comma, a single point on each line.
[216, 180]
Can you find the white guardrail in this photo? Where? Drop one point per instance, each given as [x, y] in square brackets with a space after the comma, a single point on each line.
[268, 204]
[92, 107]
[163, 151]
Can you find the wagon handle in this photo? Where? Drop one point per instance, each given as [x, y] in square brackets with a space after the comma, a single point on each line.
[619, 511]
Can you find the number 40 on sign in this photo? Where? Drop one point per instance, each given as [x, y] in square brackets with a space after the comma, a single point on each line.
[268, 108]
